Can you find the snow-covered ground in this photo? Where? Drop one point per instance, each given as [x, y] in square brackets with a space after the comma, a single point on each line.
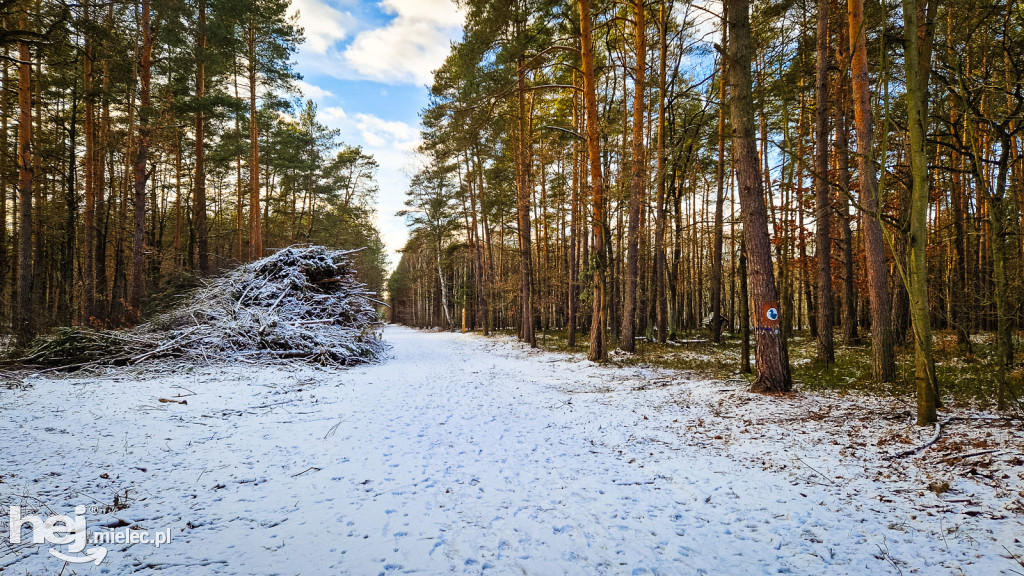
[470, 455]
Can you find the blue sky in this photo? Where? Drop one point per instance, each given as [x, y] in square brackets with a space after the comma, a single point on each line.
[367, 64]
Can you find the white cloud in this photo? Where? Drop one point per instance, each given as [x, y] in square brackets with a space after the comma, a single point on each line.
[392, 42]
[442, 12]
[376, 132]
[410, 46]
[390, 142]
[312, 91]
[333, 115]
[324, 25]
[379, 132]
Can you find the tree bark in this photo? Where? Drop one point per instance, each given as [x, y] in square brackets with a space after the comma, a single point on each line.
[6, 265]
[822, 198]
[627, 341]
[24, 324]
[596, 352]
[883, 357]
[744, 312]
[959, 316]
[660, 270]
[842, 108]
[255, 226]
[574, 226]
[66, 283]
[917, 264]
[995, 199]
[716, 250]
[523, 210]
[89, 214]
[199, 200]
[139, 170]
[772, 357]
[103, 206]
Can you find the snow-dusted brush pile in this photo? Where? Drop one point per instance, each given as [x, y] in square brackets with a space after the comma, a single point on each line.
[304, 302]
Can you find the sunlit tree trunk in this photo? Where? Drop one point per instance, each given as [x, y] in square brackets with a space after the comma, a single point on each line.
[917, 268]
[255, 221]
[523, 209]
[744, 312]
[883, 360]
[574, 225]
[660, 270]
[841, 111]
[596, 183]
[772, 358]
[637, 180]
[822, 198]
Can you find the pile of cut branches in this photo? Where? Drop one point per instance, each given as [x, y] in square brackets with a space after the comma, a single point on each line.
[303, 302]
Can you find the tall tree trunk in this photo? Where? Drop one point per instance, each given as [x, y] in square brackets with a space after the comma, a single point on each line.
[716, 249]
[917, 264]
[842, 108]
[523, 209]
[675, 296]
[744, 311]
[100, 306]
[25, 322]
[40, 193]
[638, 179]
[883, 357]
[822, 198]
[66, 284]
[959, 316]
[596, 352]
[255, 226]
[179, 198]
[487, 260]
[240, 229]
[772, 357]
[6, 265]
[478, 261]
[89, 216]
[994, 200]
[102, 205]
[140, 172]
[659, 228]
[574, 219]
[443, 291]
[199, 200]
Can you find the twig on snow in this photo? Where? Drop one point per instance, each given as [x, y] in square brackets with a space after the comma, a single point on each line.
[916, 449]
[813, 469]
[885, 555]
[335, 427]
[980, 453]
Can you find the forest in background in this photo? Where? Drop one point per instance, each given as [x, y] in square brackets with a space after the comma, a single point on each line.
[145, 144]
[643, 169]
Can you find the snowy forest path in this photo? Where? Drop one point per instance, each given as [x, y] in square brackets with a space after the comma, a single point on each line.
[465, 455]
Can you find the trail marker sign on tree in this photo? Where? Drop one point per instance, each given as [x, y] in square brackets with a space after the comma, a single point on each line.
[768, 316]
